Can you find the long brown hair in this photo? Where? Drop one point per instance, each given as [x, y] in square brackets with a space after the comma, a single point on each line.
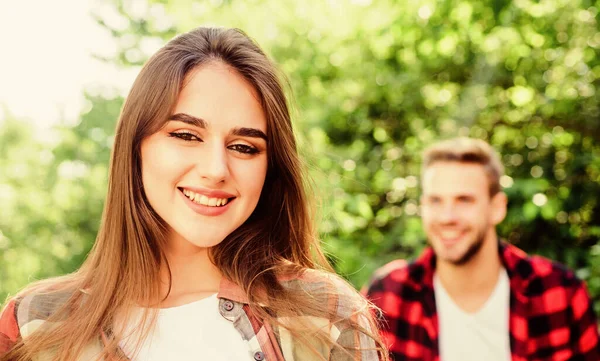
[122, 268]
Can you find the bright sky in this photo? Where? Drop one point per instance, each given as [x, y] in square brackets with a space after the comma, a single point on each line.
[46, 61]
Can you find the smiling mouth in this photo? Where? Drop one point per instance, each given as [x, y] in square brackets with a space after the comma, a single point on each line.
[450, 235]
[204, 200]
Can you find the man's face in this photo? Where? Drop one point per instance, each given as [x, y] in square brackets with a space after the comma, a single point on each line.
[457, 211]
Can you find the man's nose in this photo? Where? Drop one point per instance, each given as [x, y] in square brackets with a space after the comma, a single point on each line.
[447, 214]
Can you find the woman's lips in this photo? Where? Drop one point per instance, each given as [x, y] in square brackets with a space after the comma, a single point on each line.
[208, 210]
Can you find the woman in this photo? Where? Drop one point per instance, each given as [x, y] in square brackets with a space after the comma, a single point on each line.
[206, 247]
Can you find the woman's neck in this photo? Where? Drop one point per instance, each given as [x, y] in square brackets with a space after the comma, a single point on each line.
[191, 273]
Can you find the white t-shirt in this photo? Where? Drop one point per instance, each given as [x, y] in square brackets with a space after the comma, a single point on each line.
[483, 335]
[191, 332]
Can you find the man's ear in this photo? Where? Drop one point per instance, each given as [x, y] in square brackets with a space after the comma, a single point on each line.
[499, 205]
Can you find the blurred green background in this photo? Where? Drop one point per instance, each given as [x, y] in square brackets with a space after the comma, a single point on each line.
[373, 82]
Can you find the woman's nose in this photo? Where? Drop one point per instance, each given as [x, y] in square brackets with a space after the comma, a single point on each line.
[214, 167]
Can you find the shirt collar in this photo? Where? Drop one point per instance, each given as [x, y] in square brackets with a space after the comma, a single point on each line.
[514, 260]
[231, 291]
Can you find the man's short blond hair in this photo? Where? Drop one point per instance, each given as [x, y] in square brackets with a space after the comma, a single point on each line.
[467, 150]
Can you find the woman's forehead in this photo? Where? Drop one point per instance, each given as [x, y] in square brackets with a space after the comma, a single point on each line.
[221, 97]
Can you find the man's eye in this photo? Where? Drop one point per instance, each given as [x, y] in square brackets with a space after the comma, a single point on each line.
[243, 148]
[188, 137]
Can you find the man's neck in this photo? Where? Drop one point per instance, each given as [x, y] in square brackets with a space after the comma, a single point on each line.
[470, 285]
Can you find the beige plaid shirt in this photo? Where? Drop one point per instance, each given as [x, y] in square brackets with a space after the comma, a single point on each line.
[265, 342]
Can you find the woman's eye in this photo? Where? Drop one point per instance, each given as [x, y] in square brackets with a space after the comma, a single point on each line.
[188, 137]
[243, 148]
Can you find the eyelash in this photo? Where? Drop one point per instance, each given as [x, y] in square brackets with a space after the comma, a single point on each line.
[243, 148]
[189, 137]
[185, 136]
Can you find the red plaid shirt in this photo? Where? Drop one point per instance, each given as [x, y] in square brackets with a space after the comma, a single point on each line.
[551, 315]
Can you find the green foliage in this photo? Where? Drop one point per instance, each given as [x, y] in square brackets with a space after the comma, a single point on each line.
[374, 83]
[52, 194]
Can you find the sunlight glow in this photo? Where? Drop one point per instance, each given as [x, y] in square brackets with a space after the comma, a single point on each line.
[47, 59]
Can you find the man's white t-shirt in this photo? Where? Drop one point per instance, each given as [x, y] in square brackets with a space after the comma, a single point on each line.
[483, 335]
[191, 332]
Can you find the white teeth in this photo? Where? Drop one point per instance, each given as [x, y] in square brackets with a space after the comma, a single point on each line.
[204, 200]
[450, 235]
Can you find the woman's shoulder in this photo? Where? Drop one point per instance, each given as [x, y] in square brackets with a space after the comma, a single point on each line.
[36, 303]
[43, 304]
[340, 310]
[328, 287]
[9, 327]
[310, 277]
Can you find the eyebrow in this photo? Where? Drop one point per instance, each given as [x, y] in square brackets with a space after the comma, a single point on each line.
[201, 123]
[249, 132]
[189, 119]
[455, 196]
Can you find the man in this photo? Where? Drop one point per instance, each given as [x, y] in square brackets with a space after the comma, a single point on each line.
[470, 296]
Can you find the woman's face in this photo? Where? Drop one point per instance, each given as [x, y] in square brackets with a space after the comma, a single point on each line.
[203, 172]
